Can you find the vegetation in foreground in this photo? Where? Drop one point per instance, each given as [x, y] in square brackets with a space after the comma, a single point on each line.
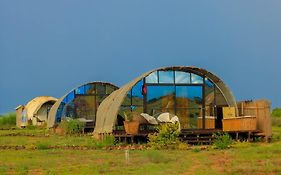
[240, 158]
[40, 156]
[8, 120]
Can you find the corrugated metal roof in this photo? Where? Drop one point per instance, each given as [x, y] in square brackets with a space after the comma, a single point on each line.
[35, 104]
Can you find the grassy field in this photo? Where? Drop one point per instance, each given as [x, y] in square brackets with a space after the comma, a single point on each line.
[241, 158]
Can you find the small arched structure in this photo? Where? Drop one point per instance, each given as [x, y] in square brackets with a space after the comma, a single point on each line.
[81, 102]
[194, 94]
[35, 112]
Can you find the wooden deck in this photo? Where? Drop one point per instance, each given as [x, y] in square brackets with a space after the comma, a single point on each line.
[198, 136]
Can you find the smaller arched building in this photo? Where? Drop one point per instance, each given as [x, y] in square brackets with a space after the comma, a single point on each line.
[35, 112]
[80, 103]
[195, 95]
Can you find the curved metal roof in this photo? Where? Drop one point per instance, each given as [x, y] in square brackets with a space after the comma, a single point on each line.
[108, 109]
[35, 104]
[53, 110]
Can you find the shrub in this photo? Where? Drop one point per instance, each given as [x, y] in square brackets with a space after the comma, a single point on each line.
[42, 145]
[276, 121]
[166, 137]
[72, 126]
[8, 120]
[108, 140]
[276, 112]
[222, 140]
[31, 127]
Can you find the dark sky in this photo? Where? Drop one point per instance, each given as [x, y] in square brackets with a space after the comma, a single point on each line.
[50, 47]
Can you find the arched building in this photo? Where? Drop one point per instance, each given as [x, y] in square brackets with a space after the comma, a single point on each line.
[195, 95]
[81, 102]
[35, 112]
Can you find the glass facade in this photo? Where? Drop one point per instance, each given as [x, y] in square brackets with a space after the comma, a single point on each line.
[190, 96]
[83, 102]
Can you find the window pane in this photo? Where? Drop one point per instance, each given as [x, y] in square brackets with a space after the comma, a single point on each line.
[110, 89]
[152, 78]
[99, 99]
[100, 89]
[188, 96]
[182, 114]
[85, 107]
[69, 97]
[90, 89]
[220, 100]
[166, 77]
[122, 111]
[196, 79]
[189, 105]
[59, 112]
[80, 90]
[209, 92]
[137, 97]
[194, 114]
[160, 99]
[68, 110]
[127, 100]
[182, 77]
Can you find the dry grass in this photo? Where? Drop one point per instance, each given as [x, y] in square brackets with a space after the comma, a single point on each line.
[242, 158]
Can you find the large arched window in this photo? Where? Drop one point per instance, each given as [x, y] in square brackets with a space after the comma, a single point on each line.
[83, 101]
[187, 94]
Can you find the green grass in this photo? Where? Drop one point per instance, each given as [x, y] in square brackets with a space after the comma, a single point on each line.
[241, 158]
[8, 120]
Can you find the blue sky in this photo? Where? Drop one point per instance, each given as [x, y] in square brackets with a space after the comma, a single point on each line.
[50, 47]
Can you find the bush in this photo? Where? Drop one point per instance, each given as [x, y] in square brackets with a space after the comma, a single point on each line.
[276, 121]
[72, 126]
[42, 145]
[222, 140]
[8, 120]
[166, 137]
[276, 112]
[109, 140]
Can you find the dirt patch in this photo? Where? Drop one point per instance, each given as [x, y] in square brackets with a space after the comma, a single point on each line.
[194, 167]
[36, 172]
[221, 161]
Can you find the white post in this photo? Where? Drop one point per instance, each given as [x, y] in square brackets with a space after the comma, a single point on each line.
[127, 157]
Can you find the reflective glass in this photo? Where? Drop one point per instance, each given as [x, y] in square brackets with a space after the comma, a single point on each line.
[160, 99]
[85, 107]
[152, 78]
[209, 92]
[124, 110]
[194, 115]
[196, 79]
[80, 90]
[100, 89]
[189, 102]
[188, 95]
[69, 97]
[137, 97]
[68, 110]
[182, 114]
[100, 98]
[59, 112]
[127, 100]
[220, 100]
[182, 77]
[90, 89]
[110, 89]
[166, 77]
